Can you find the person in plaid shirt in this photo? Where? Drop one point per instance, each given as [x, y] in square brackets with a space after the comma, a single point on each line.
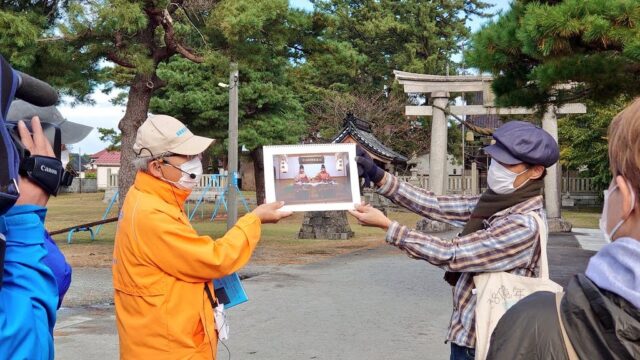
[499, 232]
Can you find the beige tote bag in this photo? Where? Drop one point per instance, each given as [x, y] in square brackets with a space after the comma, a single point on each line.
[496, 292]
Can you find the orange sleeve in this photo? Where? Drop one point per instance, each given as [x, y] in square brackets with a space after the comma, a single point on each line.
[178, 250]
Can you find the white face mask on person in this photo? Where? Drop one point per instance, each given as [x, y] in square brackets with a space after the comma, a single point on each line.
[500, 179]
[603, 219]
[193, 166]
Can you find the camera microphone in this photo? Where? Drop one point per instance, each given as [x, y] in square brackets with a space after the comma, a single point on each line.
[34, 91]
[191, 175]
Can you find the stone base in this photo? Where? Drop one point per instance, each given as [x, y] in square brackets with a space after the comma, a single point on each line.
[429, 226]
[375, 200]
[331, 225]
[568, 201]
[559, 225]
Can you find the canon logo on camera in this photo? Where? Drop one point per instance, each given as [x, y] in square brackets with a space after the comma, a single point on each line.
[48, 169]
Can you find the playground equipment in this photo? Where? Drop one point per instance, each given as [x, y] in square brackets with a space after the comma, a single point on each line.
[88, 227]
[219, 186]
[83, 227]
[106, 212]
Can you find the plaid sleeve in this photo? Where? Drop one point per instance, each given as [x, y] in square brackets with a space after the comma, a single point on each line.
[454, 210]
[505, 245]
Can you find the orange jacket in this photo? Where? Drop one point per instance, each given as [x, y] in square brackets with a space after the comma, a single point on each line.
[160, 268]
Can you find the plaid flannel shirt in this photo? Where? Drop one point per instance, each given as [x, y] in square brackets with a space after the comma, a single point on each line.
[508, 243]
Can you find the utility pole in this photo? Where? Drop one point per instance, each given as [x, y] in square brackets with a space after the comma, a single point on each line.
[462, 177]
[80, 170]
[232, 180]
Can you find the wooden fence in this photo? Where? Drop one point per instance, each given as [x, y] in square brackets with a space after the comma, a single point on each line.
[571, 185]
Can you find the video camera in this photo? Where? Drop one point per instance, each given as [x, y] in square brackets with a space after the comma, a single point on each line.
[45, 171]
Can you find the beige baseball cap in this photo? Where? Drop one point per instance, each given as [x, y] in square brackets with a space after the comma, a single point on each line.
[161, 134]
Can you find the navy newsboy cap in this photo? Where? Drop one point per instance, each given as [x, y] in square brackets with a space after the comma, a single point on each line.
[522, 142]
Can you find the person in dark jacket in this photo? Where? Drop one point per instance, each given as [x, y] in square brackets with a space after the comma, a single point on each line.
[600, 310]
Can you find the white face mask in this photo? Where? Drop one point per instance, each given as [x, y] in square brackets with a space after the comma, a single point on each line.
[500, 179]
[603, 219]
[193, 166]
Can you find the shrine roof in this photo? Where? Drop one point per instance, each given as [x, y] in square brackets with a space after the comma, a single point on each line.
[360, 131]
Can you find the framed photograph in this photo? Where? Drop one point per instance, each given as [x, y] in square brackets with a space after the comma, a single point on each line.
[315, 177]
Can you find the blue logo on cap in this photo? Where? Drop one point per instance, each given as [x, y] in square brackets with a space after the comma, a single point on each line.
[181, 131]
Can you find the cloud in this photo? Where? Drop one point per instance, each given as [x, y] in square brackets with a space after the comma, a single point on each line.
[102, 114]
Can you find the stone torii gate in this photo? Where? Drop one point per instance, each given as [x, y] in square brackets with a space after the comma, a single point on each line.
[439, 88]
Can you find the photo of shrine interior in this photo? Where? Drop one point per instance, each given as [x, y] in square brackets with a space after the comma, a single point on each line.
[312, 178]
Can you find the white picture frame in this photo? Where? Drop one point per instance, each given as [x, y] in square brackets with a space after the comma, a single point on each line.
[337, 188]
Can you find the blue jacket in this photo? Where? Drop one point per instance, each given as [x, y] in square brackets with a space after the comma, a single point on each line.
[57, 263]
[29, 295]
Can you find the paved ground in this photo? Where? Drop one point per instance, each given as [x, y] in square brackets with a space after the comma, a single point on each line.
[589, 239]
[372, 304]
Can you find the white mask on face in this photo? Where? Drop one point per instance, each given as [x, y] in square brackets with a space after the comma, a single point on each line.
[500, 179]
[193, 166]
[603, 219]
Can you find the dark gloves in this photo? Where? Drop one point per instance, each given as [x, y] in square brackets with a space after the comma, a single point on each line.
[367, 168]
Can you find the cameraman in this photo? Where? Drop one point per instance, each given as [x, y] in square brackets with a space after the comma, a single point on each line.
[29, 293]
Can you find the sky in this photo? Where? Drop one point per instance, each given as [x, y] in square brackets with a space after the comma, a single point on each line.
[105, 115]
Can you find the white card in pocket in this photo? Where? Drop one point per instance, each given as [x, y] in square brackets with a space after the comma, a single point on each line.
[222, 325]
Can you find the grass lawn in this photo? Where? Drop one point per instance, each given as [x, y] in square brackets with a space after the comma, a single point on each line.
[278, 245]
[583, 218]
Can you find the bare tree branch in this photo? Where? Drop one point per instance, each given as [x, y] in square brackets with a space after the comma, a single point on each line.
[172, 45]
[112, 56]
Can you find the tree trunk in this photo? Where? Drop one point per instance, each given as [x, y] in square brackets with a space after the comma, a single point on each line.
[135, 114]
[207, 165]
[258, 167]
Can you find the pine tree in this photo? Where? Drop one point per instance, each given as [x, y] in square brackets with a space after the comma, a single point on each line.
[583, 140]
[258, 36]
[366, 40]
[74, 46]
[537, 45]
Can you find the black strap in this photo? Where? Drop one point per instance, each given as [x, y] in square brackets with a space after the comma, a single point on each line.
[47, 172]
[8, 158]
[9, 191]
[67, 179]
[214, 302]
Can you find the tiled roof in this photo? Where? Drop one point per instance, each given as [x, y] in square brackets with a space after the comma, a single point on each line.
[360, 130]
[105, 157]
[98, 154]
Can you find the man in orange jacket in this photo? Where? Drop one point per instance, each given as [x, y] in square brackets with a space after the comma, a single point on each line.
[161, 266]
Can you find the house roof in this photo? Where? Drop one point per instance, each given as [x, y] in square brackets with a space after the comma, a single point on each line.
[106, 157]
[360, 131]
[97, 155]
